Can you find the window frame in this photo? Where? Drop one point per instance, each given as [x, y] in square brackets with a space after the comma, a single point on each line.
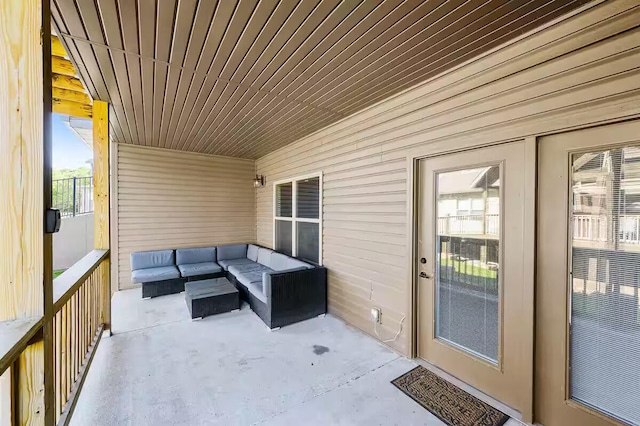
[294, 219]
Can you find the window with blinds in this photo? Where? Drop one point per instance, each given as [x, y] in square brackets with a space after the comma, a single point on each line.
[605, 272]
[298, 217]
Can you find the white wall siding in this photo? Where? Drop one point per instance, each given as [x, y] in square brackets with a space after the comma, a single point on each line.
[172, 199]
[578, 72]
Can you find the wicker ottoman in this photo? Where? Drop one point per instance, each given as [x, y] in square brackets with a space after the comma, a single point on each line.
[210, 297]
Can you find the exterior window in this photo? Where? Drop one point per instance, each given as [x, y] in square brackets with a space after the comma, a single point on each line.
[297, 217]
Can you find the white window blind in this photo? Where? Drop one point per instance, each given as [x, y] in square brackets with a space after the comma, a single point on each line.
[297, 229]
[605, 271]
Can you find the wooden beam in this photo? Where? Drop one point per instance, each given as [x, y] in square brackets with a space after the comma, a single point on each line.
[57, 49]
[71, 95]
[23, 103]
[74, 109]
[62, 66]
[101, 195]
[67, 82]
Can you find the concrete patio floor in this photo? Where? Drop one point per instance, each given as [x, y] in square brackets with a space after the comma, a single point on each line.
[161, 368]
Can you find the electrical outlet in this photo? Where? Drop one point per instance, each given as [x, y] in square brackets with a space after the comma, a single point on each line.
[376, 315]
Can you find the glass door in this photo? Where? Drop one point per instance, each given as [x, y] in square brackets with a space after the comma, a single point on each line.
[474, 318]
[589, 272]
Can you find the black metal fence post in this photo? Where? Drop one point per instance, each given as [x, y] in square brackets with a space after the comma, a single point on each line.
[74, 196]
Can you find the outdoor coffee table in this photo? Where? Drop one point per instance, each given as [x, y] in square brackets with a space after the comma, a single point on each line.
[210, 297]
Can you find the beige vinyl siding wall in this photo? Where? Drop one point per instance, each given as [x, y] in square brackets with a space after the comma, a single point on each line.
[171, 199]
[578, 72]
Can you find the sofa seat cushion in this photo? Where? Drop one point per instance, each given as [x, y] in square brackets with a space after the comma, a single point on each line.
[194, 269]
[247, 267]
[249, 277]
[255, 288]
[152, 259]
[195, 255]
[228, 262]
[155, 274]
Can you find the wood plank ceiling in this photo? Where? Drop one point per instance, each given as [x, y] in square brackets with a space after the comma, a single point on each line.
[245, 77]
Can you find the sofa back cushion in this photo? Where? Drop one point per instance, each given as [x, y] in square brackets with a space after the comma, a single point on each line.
[152, 259]
[279, 261]
[195, 255]
[235, 251]
[264, 257]
[295, 263]
[252, 252]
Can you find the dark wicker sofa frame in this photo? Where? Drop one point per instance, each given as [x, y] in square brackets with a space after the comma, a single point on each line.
[295, 296]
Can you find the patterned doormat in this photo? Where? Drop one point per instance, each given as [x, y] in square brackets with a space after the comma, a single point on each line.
[449, 403]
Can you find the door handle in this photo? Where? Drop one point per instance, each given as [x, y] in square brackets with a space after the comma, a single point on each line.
[424, 275]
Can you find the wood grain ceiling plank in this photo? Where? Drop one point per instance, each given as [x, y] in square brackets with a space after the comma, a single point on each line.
[406, 15]
[273, 24]
[111, 28]
[200, 93]
[147, 28]
[229, 42]
[390, 40]
[301, 13]
[183, 26]
[446, 55]
[430, 43]
[358, 23]
[201, 25]
[90, 70]
[128, 13]
[322, 21]
[258, 113]
[249, 99]
[94, 30]
[165, 17]
[255, 25]
[271, 136]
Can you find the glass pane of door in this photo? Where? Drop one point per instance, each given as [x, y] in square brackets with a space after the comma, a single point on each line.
[468, 260]
[605, 256]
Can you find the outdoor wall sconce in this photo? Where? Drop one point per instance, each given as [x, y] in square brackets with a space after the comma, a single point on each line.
[258, 181]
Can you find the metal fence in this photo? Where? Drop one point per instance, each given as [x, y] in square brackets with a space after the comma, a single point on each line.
[73, 196]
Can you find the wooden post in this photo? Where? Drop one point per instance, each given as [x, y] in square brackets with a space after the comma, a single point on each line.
[25, 102]
[101, 197]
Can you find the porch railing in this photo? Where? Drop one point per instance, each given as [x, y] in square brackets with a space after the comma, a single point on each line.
[596, 228]
[81, 302]
[72, 196]
[475, 224]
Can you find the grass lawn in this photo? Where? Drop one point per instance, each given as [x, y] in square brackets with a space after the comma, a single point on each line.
[474, 270]
[57, 273]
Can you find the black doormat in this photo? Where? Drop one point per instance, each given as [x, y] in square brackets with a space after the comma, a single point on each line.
[449, 403]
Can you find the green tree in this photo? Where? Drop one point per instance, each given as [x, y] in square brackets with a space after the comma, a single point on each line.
[62, 188]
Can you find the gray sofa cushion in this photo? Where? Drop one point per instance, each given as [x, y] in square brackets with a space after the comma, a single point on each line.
[236, 251]
[195, 255]
[256, 289]
[249, 277]
[279, 261]
[194, 269]
[152, 259]
[154, 274]
[252, 252]
[295, 263]
[264, 257]
[247, 267]
[226, 263]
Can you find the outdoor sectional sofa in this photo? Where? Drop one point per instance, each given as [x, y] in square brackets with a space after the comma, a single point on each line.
[280, 289]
